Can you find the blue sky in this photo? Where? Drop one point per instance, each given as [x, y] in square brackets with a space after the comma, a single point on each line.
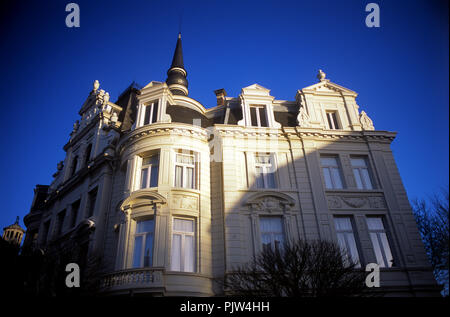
[400, 70]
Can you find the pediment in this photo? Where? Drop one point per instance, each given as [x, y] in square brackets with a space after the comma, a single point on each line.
[141, 198]
[327, 86]
[270, 201]
[153, 84]
[255, 89]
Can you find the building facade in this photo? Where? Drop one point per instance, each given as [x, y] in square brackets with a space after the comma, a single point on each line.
[171, 196]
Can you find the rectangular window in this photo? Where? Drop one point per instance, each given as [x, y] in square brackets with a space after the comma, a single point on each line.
[151, 113]
[331, 172]
[87, 154]
[258, 116]
[46, 229]
[73, 167]
[346, 238]
[380, 241]
[149, 171]
[60, 225]
[361, 173]
[92, 198]
[265, 169]
[185, 170]
[143, 244]
[272, 233]
[74, 213]
[183, 245]
[332, 120]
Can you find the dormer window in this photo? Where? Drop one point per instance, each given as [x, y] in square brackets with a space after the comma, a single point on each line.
[332, 120]
[258, 116]
[149, 113]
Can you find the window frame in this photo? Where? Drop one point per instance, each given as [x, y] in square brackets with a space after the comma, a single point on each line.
[149, 167]
[360, 169]
[353, 234]
[183, 235]
[74, 212]
[380, 244]
[74, 164]
[143, 246]
[265, 169]
[332, 120]
[258, 122]
[273, 245]
[90, 211]
[338, 167]
[152, 112]
[60, 217]
[185, 167]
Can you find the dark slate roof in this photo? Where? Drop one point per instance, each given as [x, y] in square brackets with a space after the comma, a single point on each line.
[128, 101]
[235, 113]
[286, 119]
[186, 115]
[177, 60]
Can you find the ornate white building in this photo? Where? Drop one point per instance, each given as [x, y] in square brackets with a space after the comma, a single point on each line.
[171, 195]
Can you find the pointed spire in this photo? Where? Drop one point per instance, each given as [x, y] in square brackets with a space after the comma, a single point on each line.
[176, 75]
[177, 60]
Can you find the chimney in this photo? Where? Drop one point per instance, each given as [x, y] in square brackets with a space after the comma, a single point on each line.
[220, 94]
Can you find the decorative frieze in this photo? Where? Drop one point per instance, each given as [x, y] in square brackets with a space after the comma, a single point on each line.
[355, 201]
[184, 202]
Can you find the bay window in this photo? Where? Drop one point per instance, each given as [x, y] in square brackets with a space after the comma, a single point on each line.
[183, 245]
[143, 244]
[150, 171]
[185, 170]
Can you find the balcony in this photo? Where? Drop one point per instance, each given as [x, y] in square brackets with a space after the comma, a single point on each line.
[148, 280]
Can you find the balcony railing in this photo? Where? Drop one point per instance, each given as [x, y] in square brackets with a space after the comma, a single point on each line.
[151, 278]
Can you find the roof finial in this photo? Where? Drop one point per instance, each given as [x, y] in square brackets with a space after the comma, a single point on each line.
[17, 220]
[180, 24]
[321, 75]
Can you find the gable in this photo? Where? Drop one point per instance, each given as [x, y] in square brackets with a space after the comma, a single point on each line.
[328, 87]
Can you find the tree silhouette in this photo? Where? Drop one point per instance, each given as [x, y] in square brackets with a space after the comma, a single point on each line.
[301, 269]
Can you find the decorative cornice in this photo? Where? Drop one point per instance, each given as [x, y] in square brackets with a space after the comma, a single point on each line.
[161, 129]
[289, 132]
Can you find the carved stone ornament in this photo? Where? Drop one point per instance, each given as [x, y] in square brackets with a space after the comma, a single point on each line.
[321, 75]
[377, 203]
[76, 125]
[334, 202]
[366, 122]
[184, 202]
[268, 204]
[96, 85]
[303, 118]
[342, 202]
[60, 165]
[355, 202]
